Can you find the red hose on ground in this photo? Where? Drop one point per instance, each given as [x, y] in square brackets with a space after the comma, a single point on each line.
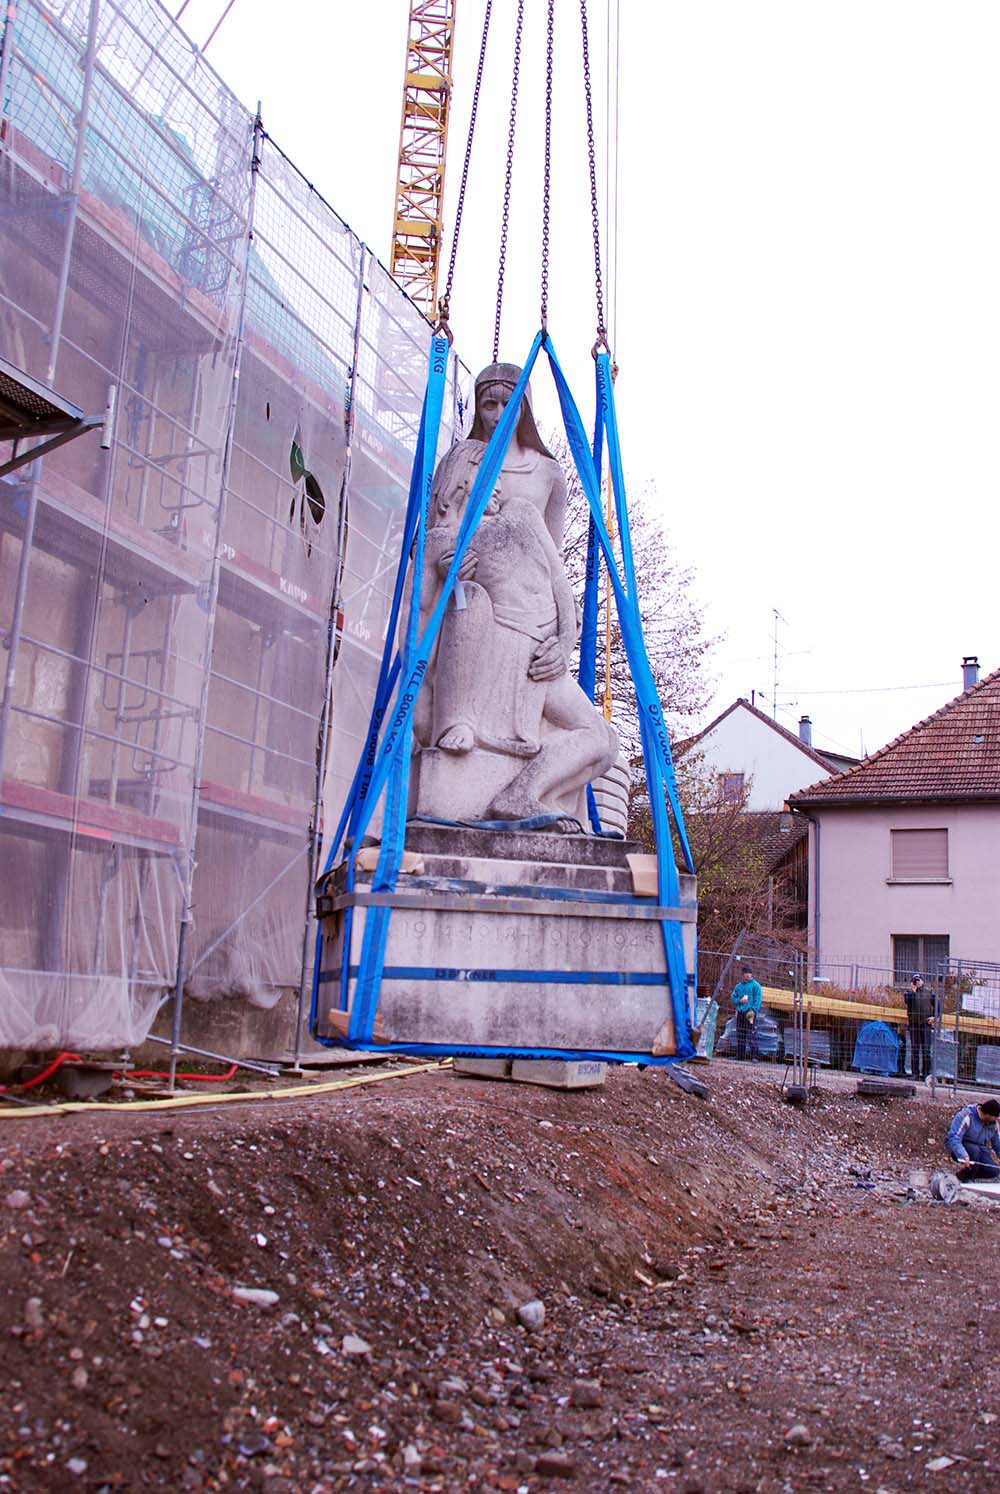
[162, 1074]
[62, 1058]
[49, 1069]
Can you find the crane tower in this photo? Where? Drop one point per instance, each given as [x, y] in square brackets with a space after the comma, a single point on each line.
[423, 147]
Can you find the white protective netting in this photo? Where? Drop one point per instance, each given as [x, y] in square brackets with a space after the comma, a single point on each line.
[171, 605]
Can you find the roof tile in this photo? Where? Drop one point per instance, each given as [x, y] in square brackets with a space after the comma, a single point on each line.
[954, 754]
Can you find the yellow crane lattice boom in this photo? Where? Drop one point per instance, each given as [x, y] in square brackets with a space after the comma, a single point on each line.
[423, 148]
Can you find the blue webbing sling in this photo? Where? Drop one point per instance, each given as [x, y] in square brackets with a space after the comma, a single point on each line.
[587, 669]
[385, 765]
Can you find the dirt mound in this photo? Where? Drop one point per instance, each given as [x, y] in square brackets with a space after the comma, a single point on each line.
[400, 1228]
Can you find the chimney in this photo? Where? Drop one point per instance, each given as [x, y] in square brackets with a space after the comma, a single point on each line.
[970, 671]
[806, 730]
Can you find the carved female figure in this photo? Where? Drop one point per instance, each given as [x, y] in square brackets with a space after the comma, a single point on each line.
[501, 696]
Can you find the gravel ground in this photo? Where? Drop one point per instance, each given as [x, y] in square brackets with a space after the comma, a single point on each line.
[736, 1294]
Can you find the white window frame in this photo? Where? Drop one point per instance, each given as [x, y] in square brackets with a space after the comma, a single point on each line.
[732, 787]
[906, 851]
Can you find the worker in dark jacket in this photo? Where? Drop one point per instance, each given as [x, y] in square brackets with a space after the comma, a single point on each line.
[920, 1020]
[973, 1141]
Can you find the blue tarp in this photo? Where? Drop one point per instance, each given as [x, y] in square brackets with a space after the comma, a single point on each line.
[877, 1049]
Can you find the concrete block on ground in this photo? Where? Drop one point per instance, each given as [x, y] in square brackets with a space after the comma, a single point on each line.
[890, 1089]
[557, 1073]
[483, 1068]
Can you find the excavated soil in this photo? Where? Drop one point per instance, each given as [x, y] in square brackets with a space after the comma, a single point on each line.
[737, 1294]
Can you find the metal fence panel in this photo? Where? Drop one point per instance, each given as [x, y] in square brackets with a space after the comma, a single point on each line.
[850, 1001]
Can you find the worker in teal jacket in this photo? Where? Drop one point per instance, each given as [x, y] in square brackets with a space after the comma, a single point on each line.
[747, 997]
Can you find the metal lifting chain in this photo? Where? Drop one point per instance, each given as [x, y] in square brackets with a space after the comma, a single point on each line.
[546, 178]
[505, 222]
[602, 331]
[444, 304]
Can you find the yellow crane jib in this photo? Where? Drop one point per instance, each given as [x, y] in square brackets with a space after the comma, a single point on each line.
[423, 148]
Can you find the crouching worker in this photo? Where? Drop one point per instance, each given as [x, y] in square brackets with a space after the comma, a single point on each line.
[973, 1141]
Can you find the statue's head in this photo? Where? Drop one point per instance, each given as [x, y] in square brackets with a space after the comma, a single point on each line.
[496, 384]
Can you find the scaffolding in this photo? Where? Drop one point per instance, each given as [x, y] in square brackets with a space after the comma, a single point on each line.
[192, 614]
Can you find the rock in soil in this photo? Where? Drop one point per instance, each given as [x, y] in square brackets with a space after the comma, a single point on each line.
[746, 1290]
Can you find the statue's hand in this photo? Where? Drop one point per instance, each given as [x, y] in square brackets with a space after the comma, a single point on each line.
[466, 570]
[548, 661]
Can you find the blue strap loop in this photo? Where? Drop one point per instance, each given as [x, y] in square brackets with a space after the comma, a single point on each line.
[655, 742]
[395, 748]
[389, 669]
[587, 671]
[385, 765]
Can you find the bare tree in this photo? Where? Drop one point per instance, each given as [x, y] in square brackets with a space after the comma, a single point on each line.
[735, 851]
[672, 622]
[740, 859]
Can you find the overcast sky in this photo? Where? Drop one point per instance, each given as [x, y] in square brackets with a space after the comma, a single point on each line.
[807, 290]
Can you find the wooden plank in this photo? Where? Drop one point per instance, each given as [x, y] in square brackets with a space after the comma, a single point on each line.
[867, 1011]
[340, 1022]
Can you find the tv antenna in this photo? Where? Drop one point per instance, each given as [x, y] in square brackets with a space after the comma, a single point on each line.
[774, 684]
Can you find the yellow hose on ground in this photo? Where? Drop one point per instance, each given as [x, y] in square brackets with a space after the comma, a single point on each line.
[185, 1102]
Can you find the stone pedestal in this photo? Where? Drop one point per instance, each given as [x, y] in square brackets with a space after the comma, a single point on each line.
[507, 943]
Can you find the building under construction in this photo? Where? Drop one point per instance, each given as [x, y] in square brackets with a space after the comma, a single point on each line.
[195, 579]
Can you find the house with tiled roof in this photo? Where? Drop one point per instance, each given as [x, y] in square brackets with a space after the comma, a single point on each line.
[755, 759]
[743, 766]
[905, 847]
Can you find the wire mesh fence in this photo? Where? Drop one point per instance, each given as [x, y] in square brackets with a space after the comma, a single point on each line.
[857, 1017]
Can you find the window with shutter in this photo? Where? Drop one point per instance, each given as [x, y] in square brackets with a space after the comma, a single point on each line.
[934, 954]
[919, 855]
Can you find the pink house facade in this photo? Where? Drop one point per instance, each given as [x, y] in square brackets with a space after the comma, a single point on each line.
[905, 850]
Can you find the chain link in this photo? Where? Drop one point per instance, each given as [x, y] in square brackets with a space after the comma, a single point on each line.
[547, 174]
[505, 222]
[602, 331]
[444, 304]
[445, 300]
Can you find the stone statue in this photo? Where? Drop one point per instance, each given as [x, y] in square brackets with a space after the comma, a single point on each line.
[504, 730]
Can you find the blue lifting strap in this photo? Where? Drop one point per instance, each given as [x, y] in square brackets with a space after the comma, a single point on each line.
[587, 670]
[397, 791]
[656, 753]
[390, 664]
[385, 765]
[398, 732]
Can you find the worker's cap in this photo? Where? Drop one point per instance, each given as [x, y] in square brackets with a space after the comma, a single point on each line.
[916, 976]
[990, 1107]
